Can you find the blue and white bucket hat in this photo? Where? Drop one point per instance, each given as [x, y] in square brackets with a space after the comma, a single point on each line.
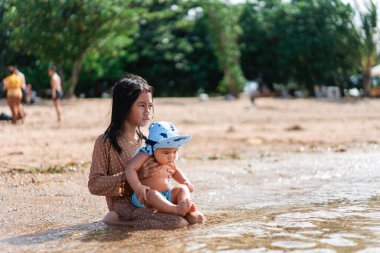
[163, 134]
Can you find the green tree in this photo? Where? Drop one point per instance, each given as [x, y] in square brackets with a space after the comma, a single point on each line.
[3, 36]
[264, 53]
[368, 46]
[308, 42]
[172, 50]
[224, 30]
[65, 32]
[326, 45]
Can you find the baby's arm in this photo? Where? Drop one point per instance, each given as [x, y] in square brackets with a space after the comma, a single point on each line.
[131, 172]
[181, 178]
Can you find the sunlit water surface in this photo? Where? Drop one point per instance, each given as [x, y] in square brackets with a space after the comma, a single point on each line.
[315, 202]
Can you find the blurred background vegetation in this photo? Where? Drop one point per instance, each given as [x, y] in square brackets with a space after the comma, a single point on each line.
[184, 47]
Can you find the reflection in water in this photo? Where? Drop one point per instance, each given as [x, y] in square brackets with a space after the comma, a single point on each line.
[299, 228]
[356, 226]
[303, 203]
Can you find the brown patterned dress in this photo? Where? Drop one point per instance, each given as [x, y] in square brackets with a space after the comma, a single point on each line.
[107, 178]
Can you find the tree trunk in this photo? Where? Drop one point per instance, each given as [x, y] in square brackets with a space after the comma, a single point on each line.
[367, 78]
[74, 77]
[366, 83]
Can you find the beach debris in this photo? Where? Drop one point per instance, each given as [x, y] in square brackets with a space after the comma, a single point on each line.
[35, 181]
[264, 155]
[5, 117]
[203, 97]
[230, 97]
[15, 153]
[255, 141]
[230, 129]
[249, 169]
[294, 128]
[340, 149]
[71, 167]
[301, 149]
[214, 157]
[225, 156]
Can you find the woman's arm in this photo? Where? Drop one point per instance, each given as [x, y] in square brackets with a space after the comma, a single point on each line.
[100, 183]
[149, 168]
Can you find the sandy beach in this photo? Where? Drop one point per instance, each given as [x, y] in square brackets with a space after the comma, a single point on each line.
[44, 164]
[219, 128]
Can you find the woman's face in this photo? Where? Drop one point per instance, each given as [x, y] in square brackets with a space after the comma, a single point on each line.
[142, 110]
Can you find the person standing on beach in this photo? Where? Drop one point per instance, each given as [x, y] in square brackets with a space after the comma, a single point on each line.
[23, 82]
[132, 108]
[56, 90]
[12, 84]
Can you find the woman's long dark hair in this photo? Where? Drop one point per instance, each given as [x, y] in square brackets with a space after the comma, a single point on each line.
[125, 92]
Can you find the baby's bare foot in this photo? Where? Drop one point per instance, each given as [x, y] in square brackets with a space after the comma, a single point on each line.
[195, 218]
[184, 207]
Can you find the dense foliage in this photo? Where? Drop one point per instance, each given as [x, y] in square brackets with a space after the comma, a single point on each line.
[306, 42]
[183, 47]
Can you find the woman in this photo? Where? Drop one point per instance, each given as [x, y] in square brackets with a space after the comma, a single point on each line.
[132, 108]
[13, 85]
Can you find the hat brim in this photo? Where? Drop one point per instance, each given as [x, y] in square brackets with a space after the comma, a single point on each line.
[173, 142]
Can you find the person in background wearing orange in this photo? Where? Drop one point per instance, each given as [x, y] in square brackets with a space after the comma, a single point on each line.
[13, 84]
[23, 83]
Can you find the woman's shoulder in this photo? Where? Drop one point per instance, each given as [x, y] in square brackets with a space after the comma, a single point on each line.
[102, 142]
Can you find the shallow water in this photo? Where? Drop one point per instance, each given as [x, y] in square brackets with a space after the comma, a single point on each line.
[312, 202]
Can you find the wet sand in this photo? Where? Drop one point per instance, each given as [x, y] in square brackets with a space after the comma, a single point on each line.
[45, 204]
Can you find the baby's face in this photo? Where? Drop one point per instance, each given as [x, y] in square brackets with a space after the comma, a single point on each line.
[165, 155]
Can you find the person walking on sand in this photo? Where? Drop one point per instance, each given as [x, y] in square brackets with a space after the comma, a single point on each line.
[56, 90]
[12, 84]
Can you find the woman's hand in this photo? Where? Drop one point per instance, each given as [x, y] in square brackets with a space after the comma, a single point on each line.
[141, 193]
[149, 168]
[170, 169]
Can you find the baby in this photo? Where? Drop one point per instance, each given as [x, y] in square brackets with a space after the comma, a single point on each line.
[162, 143]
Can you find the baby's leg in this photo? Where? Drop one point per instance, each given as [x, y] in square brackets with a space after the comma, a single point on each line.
[157, 201]
[181, 193]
